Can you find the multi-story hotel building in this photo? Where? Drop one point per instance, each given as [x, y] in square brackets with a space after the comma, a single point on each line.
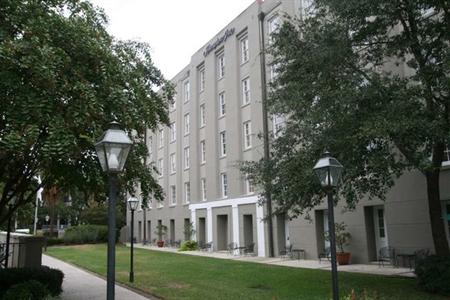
[215, 118]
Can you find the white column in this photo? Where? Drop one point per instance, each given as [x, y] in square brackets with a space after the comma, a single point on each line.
[235, 220]
[209, 224]
[194, 224]
[260, 232]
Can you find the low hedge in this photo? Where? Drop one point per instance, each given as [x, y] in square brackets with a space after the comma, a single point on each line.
[433, 274]
[51, 279]
[189, 246]
[52, 241]
[31, 289]
[85, 234]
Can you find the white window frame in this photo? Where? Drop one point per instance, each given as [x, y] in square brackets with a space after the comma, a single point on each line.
[245, 53]
[186, 91]
[173, 163]
[202, 152]
[187, 124]
[273, 72]
[273, 25]
[278, 125]
[446, 159]
[203, 188]
[161, 138]
[221, 65]
[173, 132]
[224, 184]
[173, 195]
[202, 80]
[247, 130]
[249, 186]
[222, 104]
[186, 158]
[202, 115]
[223, 144]
[187, 192]
[161, 167]
[246, 97]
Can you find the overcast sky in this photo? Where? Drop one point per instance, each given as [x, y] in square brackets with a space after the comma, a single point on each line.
[175, 29]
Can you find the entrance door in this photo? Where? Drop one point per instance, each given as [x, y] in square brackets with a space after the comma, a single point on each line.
[325, 229]
[379, 221]
[201, 230]
[139, 237]
[222, 232]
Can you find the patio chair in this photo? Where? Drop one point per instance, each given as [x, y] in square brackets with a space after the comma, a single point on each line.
[326, 254]
[249, 249]
[286, 252]
[386, 254]
[208, 247]
[420, 255]
[177, 244]
[232, 247]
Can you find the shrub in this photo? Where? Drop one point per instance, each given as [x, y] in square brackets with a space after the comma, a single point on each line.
[31, 289]
[51, 278]
[52, 241]
[188, 246]
[433, 274]
[83, 234]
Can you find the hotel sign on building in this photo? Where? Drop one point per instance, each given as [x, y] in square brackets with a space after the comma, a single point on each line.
[220, 40]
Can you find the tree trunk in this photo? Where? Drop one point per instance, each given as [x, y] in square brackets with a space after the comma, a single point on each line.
[434, 205]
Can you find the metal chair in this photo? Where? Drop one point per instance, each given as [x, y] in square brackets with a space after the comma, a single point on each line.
[386, 254]
[325, 254]
[232, 247]
[249, 249]
[287, 252]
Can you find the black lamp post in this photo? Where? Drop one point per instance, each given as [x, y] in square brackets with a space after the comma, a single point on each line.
[132, 205]
[329, 171]
[112, 151]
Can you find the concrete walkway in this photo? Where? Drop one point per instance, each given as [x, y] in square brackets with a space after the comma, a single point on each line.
[308, 264]
[79, 284]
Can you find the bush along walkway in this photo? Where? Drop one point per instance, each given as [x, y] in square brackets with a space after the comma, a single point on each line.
[79, 284]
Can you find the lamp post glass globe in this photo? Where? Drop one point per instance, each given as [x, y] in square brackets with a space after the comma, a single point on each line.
[329, 171]
[113, 148]
[47, 218]
[133, 203]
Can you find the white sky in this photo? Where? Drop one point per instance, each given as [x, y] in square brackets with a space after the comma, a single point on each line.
[174, 29]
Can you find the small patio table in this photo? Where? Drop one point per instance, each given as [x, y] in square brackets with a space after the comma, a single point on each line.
[300, 253]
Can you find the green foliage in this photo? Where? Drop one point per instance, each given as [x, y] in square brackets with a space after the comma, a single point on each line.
[339, 85]
[189, 229]
[433, 274]
[52, 241]
[84, 234]
[28, 290]
[51, 278]
[189, 246]
[63, 80]
[161, 231]
[342, 235]
[363, 296]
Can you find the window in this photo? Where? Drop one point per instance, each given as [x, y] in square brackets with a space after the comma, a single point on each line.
[173, 195]
[278, 125]
[202, 115]
[221, 66]
[173, 166]
[161, 167]
[274, 25]
[186, 158]
[202, 152]
[446, 159]
[308, 8]
[382, 232]
[203, 187]
[186, 91]
[221, 104]
[246, 91]
[247, 135]
[173, 132]
[224, 180]
[223, 144]
[202, 80]
[244, 50]
[161, 138]
[187, 192]
[187, 124]
[249, 185]
[273, 72]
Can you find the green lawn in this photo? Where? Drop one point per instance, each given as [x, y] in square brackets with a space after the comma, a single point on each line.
[178, 276]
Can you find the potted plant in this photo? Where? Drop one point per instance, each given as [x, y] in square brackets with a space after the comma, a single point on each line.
[342, 239]
[161, 231]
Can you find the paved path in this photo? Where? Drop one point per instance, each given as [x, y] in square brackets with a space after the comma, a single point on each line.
[81, 285]
[308, 264]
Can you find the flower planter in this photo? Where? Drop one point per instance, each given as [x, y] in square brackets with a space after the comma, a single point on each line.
[343, 258]
[160, 244]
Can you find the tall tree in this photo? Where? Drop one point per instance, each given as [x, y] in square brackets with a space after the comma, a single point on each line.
[63, 78]
[369, 81]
